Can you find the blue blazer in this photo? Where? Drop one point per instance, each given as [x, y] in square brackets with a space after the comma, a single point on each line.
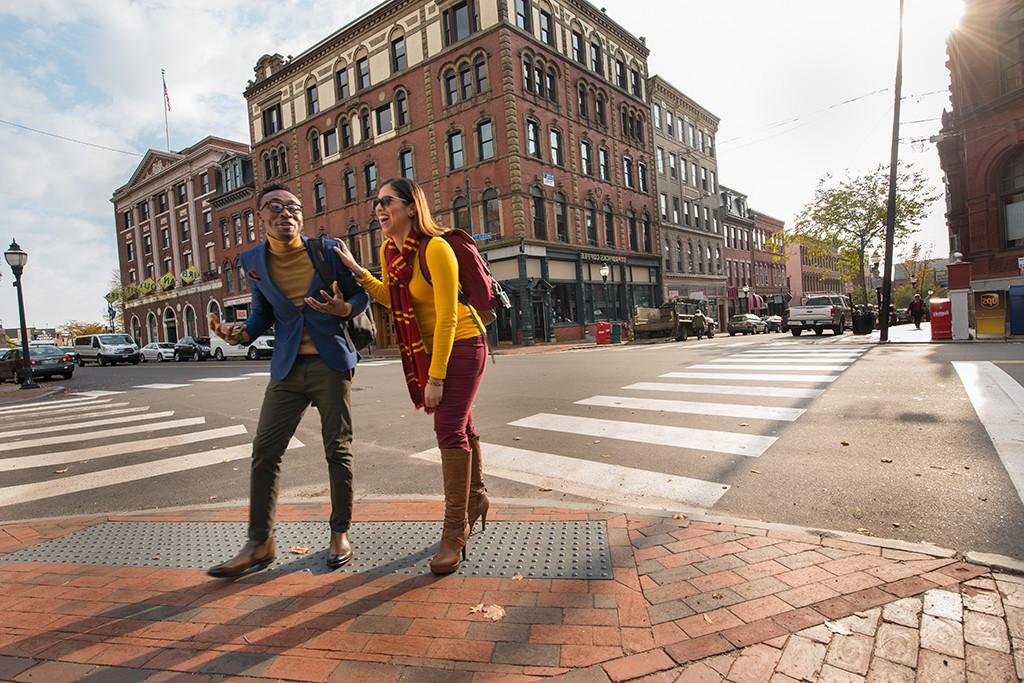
[271, 307]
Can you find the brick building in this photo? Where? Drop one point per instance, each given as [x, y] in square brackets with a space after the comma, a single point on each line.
[524, 120]
[769, 263]
[738, 234]
[182, 219]
[813, 273]
[981, 144]
[686, 183]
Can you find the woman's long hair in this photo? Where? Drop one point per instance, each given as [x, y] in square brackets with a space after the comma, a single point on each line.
[412, 194]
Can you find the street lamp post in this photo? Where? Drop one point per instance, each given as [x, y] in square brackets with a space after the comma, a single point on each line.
[605, 272]
[16, 259]
[746, 298]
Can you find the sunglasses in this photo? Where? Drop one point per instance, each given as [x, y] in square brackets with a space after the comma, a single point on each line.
[277, 207]
[385, 201]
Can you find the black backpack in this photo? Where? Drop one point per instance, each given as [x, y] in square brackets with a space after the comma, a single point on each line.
[360, 332]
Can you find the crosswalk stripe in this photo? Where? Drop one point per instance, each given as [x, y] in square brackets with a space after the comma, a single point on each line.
[27, 462]
[89, 423]
[375, 363]
[693, 408]
[791, 366]
[257, 374]
[63, 416]
[25, 493]
[61, 413]
[35, 407]
[159, 385]
[775, 360]
[219, 379]
[96, 393]
[727, 389]
[803, 354]
[751, 445]
[612, 484]
[102, 434]
[751, 377]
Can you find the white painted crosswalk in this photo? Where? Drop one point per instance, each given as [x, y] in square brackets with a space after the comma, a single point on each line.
[751, 377]
[726, 389]
[757, 365]
[754, 412]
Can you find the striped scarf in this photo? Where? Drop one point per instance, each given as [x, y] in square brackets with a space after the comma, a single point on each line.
[415, 361]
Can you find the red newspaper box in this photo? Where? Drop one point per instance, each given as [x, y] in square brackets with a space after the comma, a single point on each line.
[941, 315]
[604, 333]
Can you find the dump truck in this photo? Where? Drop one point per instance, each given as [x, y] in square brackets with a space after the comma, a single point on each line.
[673, 318]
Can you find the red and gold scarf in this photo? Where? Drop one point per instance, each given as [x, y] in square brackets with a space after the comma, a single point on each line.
[415, 361]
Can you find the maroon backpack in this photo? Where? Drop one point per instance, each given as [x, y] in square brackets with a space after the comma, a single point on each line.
[477, 288]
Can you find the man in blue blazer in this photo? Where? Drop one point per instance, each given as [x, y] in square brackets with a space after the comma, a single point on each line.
[312, 364]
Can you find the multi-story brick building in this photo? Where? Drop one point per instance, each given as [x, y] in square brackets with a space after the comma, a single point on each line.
[181, 221]
[686, 183]
[812, 273]
[526, 122]
[738, 234]
[981, 144]
[769, 263]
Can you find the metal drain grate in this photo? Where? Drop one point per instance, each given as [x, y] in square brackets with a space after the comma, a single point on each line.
[546, 550]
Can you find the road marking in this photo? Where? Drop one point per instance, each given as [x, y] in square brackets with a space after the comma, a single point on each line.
[114, 409]
[158, 385]
[999, 402]
[779, 392]
[751, 377]
[36, 407]
[750, 445]
[90, 423]
[219, 379]
[257, 374]
[96, 393]
[775, 360]
[613, 484]
[25, 493]
[27, 462]
[795, 367]
[102, 434]
[375, 363]
[1006, 362]
[61, 413]
[803, 354]
[693, 408]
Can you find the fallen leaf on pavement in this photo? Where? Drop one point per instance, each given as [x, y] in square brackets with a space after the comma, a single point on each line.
[844, 443]
[299, 549]
[517, 577]
[744, 424]
[494, 612]
[862, 530]
[213, 497]
[679, 515]
[61, 471]
[716, 596]
[838, 628]
[886, 460]
[708, 619]
[543, 489]
[896, 524]
[476, 608]
[755, 471]
[516, 438]
[597, 440]
[858, 513]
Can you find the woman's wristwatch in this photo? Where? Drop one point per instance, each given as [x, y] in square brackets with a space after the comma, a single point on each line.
[435, 382]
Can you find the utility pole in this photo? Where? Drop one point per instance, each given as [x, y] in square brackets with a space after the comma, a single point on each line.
[890, 216]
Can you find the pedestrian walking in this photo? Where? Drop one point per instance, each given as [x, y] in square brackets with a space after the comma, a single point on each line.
[699, 324]
[916, 310]
[312, 364]
[442, 346]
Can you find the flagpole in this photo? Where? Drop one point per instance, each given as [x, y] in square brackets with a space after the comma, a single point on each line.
[167, 130]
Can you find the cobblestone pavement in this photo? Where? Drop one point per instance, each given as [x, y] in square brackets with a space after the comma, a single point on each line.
[690, 599]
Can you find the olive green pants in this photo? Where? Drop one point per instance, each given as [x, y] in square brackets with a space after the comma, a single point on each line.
[310, 381]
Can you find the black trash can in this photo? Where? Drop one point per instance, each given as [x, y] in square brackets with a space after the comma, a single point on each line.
[863, 321]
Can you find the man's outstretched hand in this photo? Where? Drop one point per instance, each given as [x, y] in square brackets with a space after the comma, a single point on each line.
[334, 303]
[229, 332]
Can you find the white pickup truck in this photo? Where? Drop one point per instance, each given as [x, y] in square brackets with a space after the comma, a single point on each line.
[821, 312]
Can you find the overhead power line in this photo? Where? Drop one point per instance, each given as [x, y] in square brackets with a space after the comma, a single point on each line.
[67, 139]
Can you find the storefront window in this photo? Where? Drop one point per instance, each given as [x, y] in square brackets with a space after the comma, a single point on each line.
[604, 301]
[564, 308]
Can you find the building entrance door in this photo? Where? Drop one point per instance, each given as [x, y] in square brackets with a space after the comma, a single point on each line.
[540, 320]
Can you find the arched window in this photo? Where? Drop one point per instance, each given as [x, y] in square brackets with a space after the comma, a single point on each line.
[136, 330]
[679, 255]
[314, 145]
[718, 259]
[212, 307]
[240, 272]
[561, 217]
[190, 321]
[460, 213]
[229, 278]
[354, 243]
[480, 71]
[645, 225]
[609, 226]
[170, 325]
[590, 220]
[599, 109]
[540, 218]
[668, 255]
[401, 108]
[634, 241]
[527, 74]
[582, 96]
[283, 153]
[689, 256]
[492, 214]
[267, 169]
[552, 85]
[152, 331]
[375, 242]
[1011, 198]
[700, 256]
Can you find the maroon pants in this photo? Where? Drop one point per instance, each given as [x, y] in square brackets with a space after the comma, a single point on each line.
[453, 417]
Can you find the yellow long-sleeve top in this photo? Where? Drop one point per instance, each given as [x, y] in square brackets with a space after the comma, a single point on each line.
[442, 320]
[292, 271]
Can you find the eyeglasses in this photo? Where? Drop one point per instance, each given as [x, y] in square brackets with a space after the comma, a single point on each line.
[385, 201]
[277, 207]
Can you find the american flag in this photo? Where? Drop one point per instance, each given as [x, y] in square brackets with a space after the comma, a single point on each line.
[167, 97]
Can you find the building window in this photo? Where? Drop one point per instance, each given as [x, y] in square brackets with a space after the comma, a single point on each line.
[663, 204]
[603, 165]
[634, 242]
[370, 178]
[466, 81]
[185, 230]
[707, 218]
[679, 255]
[485, 140]
[207, 222]
[460, 20]
[225, 236]
[669, 125]
[460, 213]
[556, 147]
[533, 138]
[620, 73]
[599, 109]
[319, 196]
[641, 168]
[314, 152]
[672, 166]
[561, 217]
[341, 84]
[492, 215]
[250, 226]
[586, 162]
[398, 57]
[456, 158]
[609, 226]
[596, 62]
[364, 121]
[634, 82]
[144, 211]
[129, 249]
[590, 218]
[528, 75]
[1011, 198]
[349, 177]
[523, 13]
[204, 183]
[181, 194]
[552, 89]
[540, 219]
[1011, 49]
[374, 243]
[129, 221]
[312, 100]
[405, 164]
[451, 87]
[480, 68]
[161, 202]
[704, 178]
[547, 33]
[346, 133]
[236, 221]
[363, 73]
[168, 265]
[627, 171]
[645, 225]
[657, 115]
[675, 210]
[272, 120]
[577, 47]
[384, 122]
[165, 238]
[581, 100]
[330, 138]
[401, 108]
[659, 158]
[353, 242]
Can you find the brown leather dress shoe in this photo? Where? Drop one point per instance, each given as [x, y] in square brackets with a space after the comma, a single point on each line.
[340, 552]
[254, 556]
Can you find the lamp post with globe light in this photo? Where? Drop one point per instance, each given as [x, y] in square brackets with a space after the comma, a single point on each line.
[605, 272]
[16, 259]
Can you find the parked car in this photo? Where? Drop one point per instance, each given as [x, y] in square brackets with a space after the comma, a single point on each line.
[106, 348]
[774, 323]
[45, 361]
[821, 312]
[747, 323]
[261, 347]
[158, 351]
[192, 348]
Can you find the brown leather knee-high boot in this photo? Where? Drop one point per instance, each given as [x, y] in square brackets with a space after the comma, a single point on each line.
[478, 502]
[455, 464]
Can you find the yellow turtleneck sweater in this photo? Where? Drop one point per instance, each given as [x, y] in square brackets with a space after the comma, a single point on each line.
[292, 271]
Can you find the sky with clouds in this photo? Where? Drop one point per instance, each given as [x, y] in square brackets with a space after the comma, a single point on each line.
[772, 70]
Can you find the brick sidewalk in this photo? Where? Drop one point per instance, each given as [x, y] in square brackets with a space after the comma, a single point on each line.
[690, 600]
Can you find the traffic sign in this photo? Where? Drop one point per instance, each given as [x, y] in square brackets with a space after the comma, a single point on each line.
[483, 235]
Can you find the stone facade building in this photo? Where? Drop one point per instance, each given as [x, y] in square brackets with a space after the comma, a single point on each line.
[769, 263]
[524, 120]
[686, 183]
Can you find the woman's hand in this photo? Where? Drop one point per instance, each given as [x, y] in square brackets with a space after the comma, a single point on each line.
[332, 305]
[433, 392]
[348, 260]
[229, 332]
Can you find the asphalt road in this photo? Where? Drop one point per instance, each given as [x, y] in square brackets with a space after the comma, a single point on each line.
[891, 446]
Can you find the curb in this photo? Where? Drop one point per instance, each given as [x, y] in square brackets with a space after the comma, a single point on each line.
[12, 395]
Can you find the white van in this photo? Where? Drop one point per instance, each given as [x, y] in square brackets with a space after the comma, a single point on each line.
[106, 348]
[262, 347]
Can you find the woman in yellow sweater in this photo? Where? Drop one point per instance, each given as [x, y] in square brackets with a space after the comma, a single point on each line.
[443, 350]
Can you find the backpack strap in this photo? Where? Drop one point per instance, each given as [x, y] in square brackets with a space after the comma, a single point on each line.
[422, 251]
[315, 249]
